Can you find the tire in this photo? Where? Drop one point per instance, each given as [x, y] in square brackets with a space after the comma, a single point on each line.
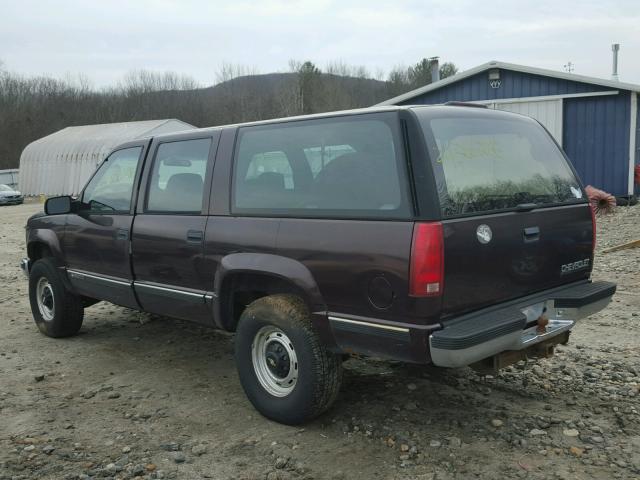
[56, 311]
[278, 329]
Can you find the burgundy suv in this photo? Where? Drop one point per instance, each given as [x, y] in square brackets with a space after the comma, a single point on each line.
[449, 235]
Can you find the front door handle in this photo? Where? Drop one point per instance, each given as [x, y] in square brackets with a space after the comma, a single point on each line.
[122, 234]
[195, 236]
[531, 234]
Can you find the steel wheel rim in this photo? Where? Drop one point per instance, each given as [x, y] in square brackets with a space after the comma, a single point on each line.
[274, 361]
[46, 300]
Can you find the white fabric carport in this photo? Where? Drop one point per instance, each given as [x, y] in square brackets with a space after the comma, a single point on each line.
[61, 163]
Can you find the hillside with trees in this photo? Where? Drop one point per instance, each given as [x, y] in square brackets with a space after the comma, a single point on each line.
[32, 107]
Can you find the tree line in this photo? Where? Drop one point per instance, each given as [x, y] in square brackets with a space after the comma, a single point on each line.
[33, 107]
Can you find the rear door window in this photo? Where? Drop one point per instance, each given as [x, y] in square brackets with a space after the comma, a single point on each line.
[485, 164]
[177, 176]
[339, 167]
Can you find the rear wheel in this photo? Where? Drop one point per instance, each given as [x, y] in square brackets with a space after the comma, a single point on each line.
[56, 311]
[286, 372]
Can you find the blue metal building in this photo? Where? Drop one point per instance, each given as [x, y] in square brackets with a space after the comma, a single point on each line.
[596, 121]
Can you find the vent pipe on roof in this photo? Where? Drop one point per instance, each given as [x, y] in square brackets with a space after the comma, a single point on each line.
[614, 72]
[435, 69]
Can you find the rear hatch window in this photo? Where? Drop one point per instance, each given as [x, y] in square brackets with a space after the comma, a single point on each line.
[488, 163]
[514, 217]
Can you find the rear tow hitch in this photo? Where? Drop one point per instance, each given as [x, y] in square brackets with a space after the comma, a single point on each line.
[544, 349]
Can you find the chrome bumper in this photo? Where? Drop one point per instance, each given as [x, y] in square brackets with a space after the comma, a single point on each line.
[25, 266]
[446, 353]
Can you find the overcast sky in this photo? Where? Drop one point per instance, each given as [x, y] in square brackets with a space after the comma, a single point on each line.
[105, 39]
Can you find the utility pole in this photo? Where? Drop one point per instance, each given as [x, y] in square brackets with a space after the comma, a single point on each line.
[569, 67]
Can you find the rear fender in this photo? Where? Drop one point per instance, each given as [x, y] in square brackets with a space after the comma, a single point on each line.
[283, 268]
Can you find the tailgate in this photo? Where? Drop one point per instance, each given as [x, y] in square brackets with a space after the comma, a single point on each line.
[515, 217]
[493, 258]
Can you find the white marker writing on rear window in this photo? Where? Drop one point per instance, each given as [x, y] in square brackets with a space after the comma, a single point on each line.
[576, 192]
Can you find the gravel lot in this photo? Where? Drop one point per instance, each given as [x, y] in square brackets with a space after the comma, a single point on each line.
[135, 396]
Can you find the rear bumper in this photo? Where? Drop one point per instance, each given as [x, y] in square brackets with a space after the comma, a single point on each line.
[479, 335]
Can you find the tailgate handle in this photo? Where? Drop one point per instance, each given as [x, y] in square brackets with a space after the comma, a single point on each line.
[531, 234]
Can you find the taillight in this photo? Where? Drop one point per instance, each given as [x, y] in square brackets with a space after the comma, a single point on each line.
[426, 272]
[593, 228]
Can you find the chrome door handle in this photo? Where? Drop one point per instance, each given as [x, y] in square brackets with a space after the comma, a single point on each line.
[531, 234]
[195, 236]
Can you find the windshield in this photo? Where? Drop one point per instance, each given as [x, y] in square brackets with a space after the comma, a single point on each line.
[5, 188]
[484, 164]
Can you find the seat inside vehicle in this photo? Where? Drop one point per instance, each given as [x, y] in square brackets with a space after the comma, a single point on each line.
[268, 187]
[357, 180]
[183, 193]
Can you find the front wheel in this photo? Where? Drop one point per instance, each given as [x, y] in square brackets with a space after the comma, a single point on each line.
[56, 311]
[284, 369]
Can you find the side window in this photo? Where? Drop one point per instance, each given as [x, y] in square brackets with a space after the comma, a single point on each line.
[339, 167]
[177, 176]
[111, 187]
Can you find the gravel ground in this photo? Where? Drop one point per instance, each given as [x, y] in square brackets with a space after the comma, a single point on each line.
[135, 396]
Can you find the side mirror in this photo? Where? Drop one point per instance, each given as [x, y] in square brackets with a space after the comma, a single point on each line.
[57, 205]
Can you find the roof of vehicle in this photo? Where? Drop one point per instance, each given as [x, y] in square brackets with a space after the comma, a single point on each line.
[337, 113]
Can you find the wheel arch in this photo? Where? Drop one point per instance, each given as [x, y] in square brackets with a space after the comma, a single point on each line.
[244, 277]
[43, 243]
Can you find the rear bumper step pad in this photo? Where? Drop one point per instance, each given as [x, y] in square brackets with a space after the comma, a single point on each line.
[582, 295]
[469, 331]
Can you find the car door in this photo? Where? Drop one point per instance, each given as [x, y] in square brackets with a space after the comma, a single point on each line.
[97, 235]
[168, 233]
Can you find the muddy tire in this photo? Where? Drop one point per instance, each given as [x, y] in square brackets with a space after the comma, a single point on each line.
[56, 311]
[285, 370]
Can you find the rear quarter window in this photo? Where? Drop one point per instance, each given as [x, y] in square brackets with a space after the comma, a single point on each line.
[485, 164]
[340, 167]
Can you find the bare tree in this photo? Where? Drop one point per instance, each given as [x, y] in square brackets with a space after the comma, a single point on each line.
[33, 107]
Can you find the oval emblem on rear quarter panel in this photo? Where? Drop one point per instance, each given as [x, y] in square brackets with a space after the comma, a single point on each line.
[484, 233]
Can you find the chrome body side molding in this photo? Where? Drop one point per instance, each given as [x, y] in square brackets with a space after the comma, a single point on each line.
[166, 291]
[170, 292]
[92, 277]
[368, 324]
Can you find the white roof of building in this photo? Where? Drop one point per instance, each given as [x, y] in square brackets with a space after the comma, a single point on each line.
[60, 163]
[109, 133]
[516, 68]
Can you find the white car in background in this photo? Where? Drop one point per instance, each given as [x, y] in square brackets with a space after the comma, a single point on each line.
[9, 196]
